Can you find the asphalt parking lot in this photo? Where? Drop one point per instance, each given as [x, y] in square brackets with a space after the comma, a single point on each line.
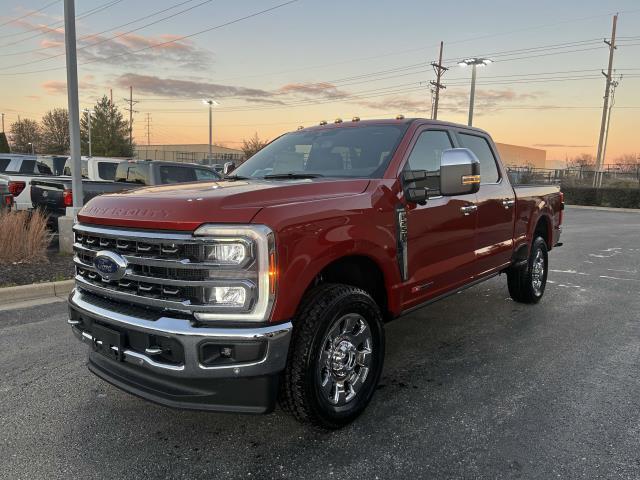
[475, 386]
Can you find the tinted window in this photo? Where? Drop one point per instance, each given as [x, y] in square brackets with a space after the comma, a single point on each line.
[4, 162]
[51, 166]
[362, 151]
[480, 146]
[428, 150]
[27, 166]
[107, 170]
[173, 174]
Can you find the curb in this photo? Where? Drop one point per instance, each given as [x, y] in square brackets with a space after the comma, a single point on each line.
[604, 209]
[35, 291]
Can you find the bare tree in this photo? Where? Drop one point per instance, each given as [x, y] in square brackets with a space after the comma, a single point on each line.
[628, 159]
[584, 160]
[54, 131]
[25, 136]
[252, 145]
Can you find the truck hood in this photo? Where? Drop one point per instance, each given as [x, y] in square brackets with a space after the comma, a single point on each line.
[187, 206]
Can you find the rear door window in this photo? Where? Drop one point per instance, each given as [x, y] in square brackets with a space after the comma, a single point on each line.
[107, 170]
[480, 146]
[4, 163]
[27, 166]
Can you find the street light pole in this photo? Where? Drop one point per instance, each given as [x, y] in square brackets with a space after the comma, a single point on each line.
[474, 62]
[89, 112]
[74, 108]
[211, 103]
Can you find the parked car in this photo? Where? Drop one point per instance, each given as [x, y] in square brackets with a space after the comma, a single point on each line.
[18, 170]
[54, 195]
[6, 199]
[97, 168]
[224, 296]
[156, 172]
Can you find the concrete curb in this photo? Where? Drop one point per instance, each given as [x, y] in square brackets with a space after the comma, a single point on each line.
[35, 291]
[605, 209]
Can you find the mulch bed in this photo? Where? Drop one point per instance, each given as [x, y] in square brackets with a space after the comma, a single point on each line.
[60, 267]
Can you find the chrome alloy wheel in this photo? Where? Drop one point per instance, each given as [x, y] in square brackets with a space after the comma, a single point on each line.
[538, 272]
[345, 359]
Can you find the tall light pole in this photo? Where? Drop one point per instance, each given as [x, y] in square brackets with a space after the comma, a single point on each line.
[211, 103]
[74, 108]
[89, 113]
[474, 62]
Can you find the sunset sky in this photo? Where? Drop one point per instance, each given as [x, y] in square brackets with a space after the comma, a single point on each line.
[308, 60]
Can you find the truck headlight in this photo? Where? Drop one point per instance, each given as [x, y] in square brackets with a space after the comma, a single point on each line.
[228, 253]
[228, 296]
[243, 273]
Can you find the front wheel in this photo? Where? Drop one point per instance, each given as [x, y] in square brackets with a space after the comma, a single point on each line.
[336, 356]
[527, 282]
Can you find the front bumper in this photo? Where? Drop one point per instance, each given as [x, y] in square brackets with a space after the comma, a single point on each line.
[170, 361]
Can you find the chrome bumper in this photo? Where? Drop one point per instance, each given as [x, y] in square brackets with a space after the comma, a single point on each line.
[276, 337]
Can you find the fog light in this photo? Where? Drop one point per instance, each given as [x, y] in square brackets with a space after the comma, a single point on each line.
[228, 296]
[230, 253]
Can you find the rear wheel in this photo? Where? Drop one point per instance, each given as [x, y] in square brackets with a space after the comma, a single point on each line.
[527, 282]
[336, 356]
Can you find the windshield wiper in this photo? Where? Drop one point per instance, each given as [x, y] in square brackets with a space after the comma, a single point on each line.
[293, 175]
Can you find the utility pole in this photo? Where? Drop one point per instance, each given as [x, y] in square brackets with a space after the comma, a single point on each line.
[131, 112]
[148, 129]
[439, 69]
[3, 123]
[597, 180]
[72, 97]
[614, 85]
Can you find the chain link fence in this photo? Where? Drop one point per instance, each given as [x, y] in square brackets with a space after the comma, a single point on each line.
[218, 158]
[613, 176]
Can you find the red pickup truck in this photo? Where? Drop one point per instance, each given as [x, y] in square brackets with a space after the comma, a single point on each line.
[276, 282]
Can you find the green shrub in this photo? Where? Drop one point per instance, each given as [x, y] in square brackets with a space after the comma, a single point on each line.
[602, 197]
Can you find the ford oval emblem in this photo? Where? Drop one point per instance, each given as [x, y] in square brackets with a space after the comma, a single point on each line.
[110, 265]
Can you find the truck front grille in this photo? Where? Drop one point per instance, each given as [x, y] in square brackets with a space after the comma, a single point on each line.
[166, 271]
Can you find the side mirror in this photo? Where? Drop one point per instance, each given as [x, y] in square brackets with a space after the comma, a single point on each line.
[459, 172]
[414, 186]
[228, 168]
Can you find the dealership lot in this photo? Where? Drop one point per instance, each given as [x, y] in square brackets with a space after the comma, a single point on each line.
[475, 386]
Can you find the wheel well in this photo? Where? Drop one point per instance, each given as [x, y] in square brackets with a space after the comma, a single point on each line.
[358, 271]
[542, 230]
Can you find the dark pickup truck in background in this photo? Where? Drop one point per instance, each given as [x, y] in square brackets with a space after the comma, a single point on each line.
[54, 195]
[277, 281]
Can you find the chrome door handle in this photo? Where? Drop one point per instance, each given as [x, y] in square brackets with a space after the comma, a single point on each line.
[468, 210]
[507, 203]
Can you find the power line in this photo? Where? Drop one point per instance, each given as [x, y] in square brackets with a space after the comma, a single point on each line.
[122, 34]
[168, 42]
[54, 26]
[29, 14]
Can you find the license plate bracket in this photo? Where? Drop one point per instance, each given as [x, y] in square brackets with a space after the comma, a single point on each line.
[108, 342]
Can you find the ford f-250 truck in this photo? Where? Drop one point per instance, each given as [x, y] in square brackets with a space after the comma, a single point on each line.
[276, 282]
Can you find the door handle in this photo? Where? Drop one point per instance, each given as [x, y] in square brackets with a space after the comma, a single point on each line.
[508, 203]
[468, 210]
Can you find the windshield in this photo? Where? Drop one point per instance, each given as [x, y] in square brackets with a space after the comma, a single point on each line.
[336, 152]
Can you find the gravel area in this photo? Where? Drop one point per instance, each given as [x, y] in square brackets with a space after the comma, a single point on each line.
[59, 267]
